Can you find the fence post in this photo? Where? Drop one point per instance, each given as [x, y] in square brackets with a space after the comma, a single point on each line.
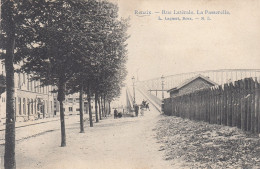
[182, 107]
[225, 104]
[211, 106]
[235, 103]
[215, 106]
[221, 104]
[193, 106]
[257, 104]
[252, 105]
[232, 105]
[248, 103]
[203, 106]
[218, 106]
[200, 106]
[207, 105]
[172, 106]
[238, 86]
[228, 106]
[243, 105]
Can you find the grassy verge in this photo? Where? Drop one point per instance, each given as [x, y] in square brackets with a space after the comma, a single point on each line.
[203, 145]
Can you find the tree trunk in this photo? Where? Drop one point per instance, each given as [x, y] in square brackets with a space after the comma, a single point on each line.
[96, 108]
[9, 157]
[102, 108]
[99, 109]
[109, 108]
[105, 112]
[81, 110]
[43, 111]
[89, 107]
[61, 98]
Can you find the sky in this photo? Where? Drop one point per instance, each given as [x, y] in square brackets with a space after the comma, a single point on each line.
[163, 47]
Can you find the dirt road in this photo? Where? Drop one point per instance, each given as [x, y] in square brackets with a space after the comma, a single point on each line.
[126, 143]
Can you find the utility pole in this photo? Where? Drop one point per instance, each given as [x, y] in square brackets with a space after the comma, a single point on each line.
[162, 86]
[133, 79]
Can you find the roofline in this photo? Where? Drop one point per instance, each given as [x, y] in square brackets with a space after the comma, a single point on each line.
[192, 79]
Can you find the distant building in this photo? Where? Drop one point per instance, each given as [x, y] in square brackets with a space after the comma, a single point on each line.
[71, 104]
[193, 84]
[31, 100]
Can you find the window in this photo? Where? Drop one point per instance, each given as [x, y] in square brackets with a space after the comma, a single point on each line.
[38, 87]
[28, 84]
[19, 81]
[24, 108]
[35, 86]
[77, 109]
[51, 106]
[2, 69]
[15, 106]
[19, 106]
[24, 78]
[70, 100]
[38, 106]
[35, 106]
[28, 106]
[70, 109]
[32, 106]
[31, 85]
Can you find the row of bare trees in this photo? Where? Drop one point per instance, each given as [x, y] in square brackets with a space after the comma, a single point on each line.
[75, 45]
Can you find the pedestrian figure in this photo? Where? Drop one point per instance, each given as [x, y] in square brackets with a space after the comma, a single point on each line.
[136, 110]
[115, 113]
[147, 106]
[142, 111]
[119, 115]
[143, 103]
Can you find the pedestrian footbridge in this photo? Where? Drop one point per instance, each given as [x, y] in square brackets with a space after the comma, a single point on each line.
[155, 90]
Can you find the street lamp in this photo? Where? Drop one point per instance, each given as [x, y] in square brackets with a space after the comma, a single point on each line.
[133, 79]
[162, 86]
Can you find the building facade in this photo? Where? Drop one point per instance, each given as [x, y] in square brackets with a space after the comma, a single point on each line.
[71, 105]
[32, 101]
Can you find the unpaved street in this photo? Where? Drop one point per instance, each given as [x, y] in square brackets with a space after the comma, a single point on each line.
[126, 143]
[111, 144]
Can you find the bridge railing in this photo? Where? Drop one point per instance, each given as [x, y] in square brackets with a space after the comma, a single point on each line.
[129, 99]
[155, 101]
[220, 77]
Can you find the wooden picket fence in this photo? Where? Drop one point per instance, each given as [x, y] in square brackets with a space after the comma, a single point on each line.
[233, 104]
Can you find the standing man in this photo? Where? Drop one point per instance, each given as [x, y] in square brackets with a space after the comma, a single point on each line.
[136, 110]
[147, 106]
[115, 113]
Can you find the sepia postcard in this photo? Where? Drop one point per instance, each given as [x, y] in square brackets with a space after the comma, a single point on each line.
[157, 84]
